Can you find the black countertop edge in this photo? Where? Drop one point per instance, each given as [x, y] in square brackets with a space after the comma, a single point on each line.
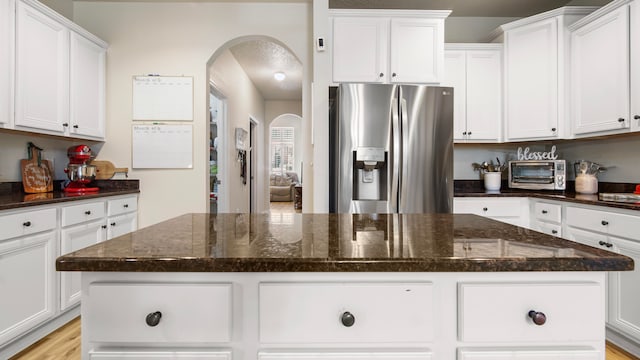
[12, 196]
[337, 265]
[473, 188]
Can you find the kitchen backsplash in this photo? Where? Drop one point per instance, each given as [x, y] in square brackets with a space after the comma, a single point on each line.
[13, 148]
[618, 154]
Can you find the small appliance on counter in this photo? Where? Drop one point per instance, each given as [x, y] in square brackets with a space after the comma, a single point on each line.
[79, 172]
[538, 174]
[586, 180]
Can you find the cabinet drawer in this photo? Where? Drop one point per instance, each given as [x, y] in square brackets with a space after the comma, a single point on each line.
[548, 228]
[548, 212]
[529, 354]
[627, 226]
[27, 222]
[151, 355]
[190, 313]
[76, 214]
[345, 355]
[321, 312]
[500, 312]
[122, 206]
[489, 207]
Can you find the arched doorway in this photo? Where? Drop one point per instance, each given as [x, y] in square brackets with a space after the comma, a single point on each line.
[242, 72]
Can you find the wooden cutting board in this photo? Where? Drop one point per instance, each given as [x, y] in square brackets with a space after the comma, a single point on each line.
[105, 169]
[36, 178]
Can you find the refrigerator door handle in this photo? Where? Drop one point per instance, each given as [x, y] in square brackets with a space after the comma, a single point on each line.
[396, 159]
[402, 194]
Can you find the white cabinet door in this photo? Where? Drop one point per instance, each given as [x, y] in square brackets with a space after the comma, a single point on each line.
[122, 224]
[87, 88]
[531, 81]
[27, 278]
[42, 71]
[346, 355]
[484, 95]
[417, 48]
[624, 312]
[455, 76]
[600, 84]
[6, 60]
[360, 49]
[634, 34]
[72, 239]
[529, 354]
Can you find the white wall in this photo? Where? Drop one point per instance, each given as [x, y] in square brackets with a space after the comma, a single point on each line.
[179, 39]
[243, 101]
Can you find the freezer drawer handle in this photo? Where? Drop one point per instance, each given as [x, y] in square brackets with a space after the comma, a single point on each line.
[153, 319]
[348, 319]
[538, 317]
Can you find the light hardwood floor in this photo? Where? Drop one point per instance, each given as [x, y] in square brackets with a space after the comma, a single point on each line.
[64, 344]
[283, 207]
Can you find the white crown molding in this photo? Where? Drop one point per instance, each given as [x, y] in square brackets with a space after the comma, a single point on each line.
[563, 11]
[473, 46]
[598, 13]
[434, 14]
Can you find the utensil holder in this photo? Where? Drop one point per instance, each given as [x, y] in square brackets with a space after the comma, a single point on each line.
[492, 180]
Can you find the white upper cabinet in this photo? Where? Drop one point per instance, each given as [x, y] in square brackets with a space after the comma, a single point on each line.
[59, 75]
[42, 71]
[87, 87]
[535, 55]
[6, 58]
[360, 47]
[634, 117]
[475, 73]
[599, 82]
[387, 46]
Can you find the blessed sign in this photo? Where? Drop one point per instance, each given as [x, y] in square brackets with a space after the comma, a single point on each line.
[526, 154]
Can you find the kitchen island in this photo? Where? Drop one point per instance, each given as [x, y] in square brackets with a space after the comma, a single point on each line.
[339, 286]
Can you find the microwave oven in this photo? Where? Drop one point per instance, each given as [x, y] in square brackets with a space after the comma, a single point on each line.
[538, 174]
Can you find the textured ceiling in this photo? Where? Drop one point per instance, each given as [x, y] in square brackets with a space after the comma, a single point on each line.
[260, 59]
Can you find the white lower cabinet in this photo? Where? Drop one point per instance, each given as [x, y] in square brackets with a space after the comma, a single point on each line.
[624, 293]
[346, 355]
[152, 355]
[71, 239]
[343, 316]
[27, 280]
[529, 354]
[513, 211]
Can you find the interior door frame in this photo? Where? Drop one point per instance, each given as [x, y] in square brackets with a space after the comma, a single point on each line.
[223, 173]
[254, 145]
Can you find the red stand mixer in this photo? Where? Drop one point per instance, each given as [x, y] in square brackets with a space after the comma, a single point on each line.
[79, 172]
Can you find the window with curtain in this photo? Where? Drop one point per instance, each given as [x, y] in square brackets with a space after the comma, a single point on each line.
[281, 149]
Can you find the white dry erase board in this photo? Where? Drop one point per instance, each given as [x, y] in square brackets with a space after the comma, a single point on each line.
[162, 146]
[163, 98]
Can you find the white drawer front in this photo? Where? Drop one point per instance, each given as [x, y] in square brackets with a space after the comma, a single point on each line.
[319, 312]
[489, 207]
[27, 222]
[122, 206]
[151, 355]
[499, 312]
[548, 228]
[529, 354]
[76, 214]
[627, 226]
[346, 355]
[191, 313]
[548, 212]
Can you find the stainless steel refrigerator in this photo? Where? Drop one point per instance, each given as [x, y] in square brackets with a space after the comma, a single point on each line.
[391, 149]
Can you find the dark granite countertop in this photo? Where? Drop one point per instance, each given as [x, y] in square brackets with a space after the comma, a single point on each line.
[338, 243]
[473, 188]
[12, 196]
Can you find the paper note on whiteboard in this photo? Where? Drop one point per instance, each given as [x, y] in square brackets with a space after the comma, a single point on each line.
[162, 146]
[163, 98]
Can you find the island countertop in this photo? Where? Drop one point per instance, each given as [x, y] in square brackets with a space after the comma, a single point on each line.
[338, 243]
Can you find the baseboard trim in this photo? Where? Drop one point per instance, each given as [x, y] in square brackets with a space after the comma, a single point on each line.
[20, 343]
[623, 342]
